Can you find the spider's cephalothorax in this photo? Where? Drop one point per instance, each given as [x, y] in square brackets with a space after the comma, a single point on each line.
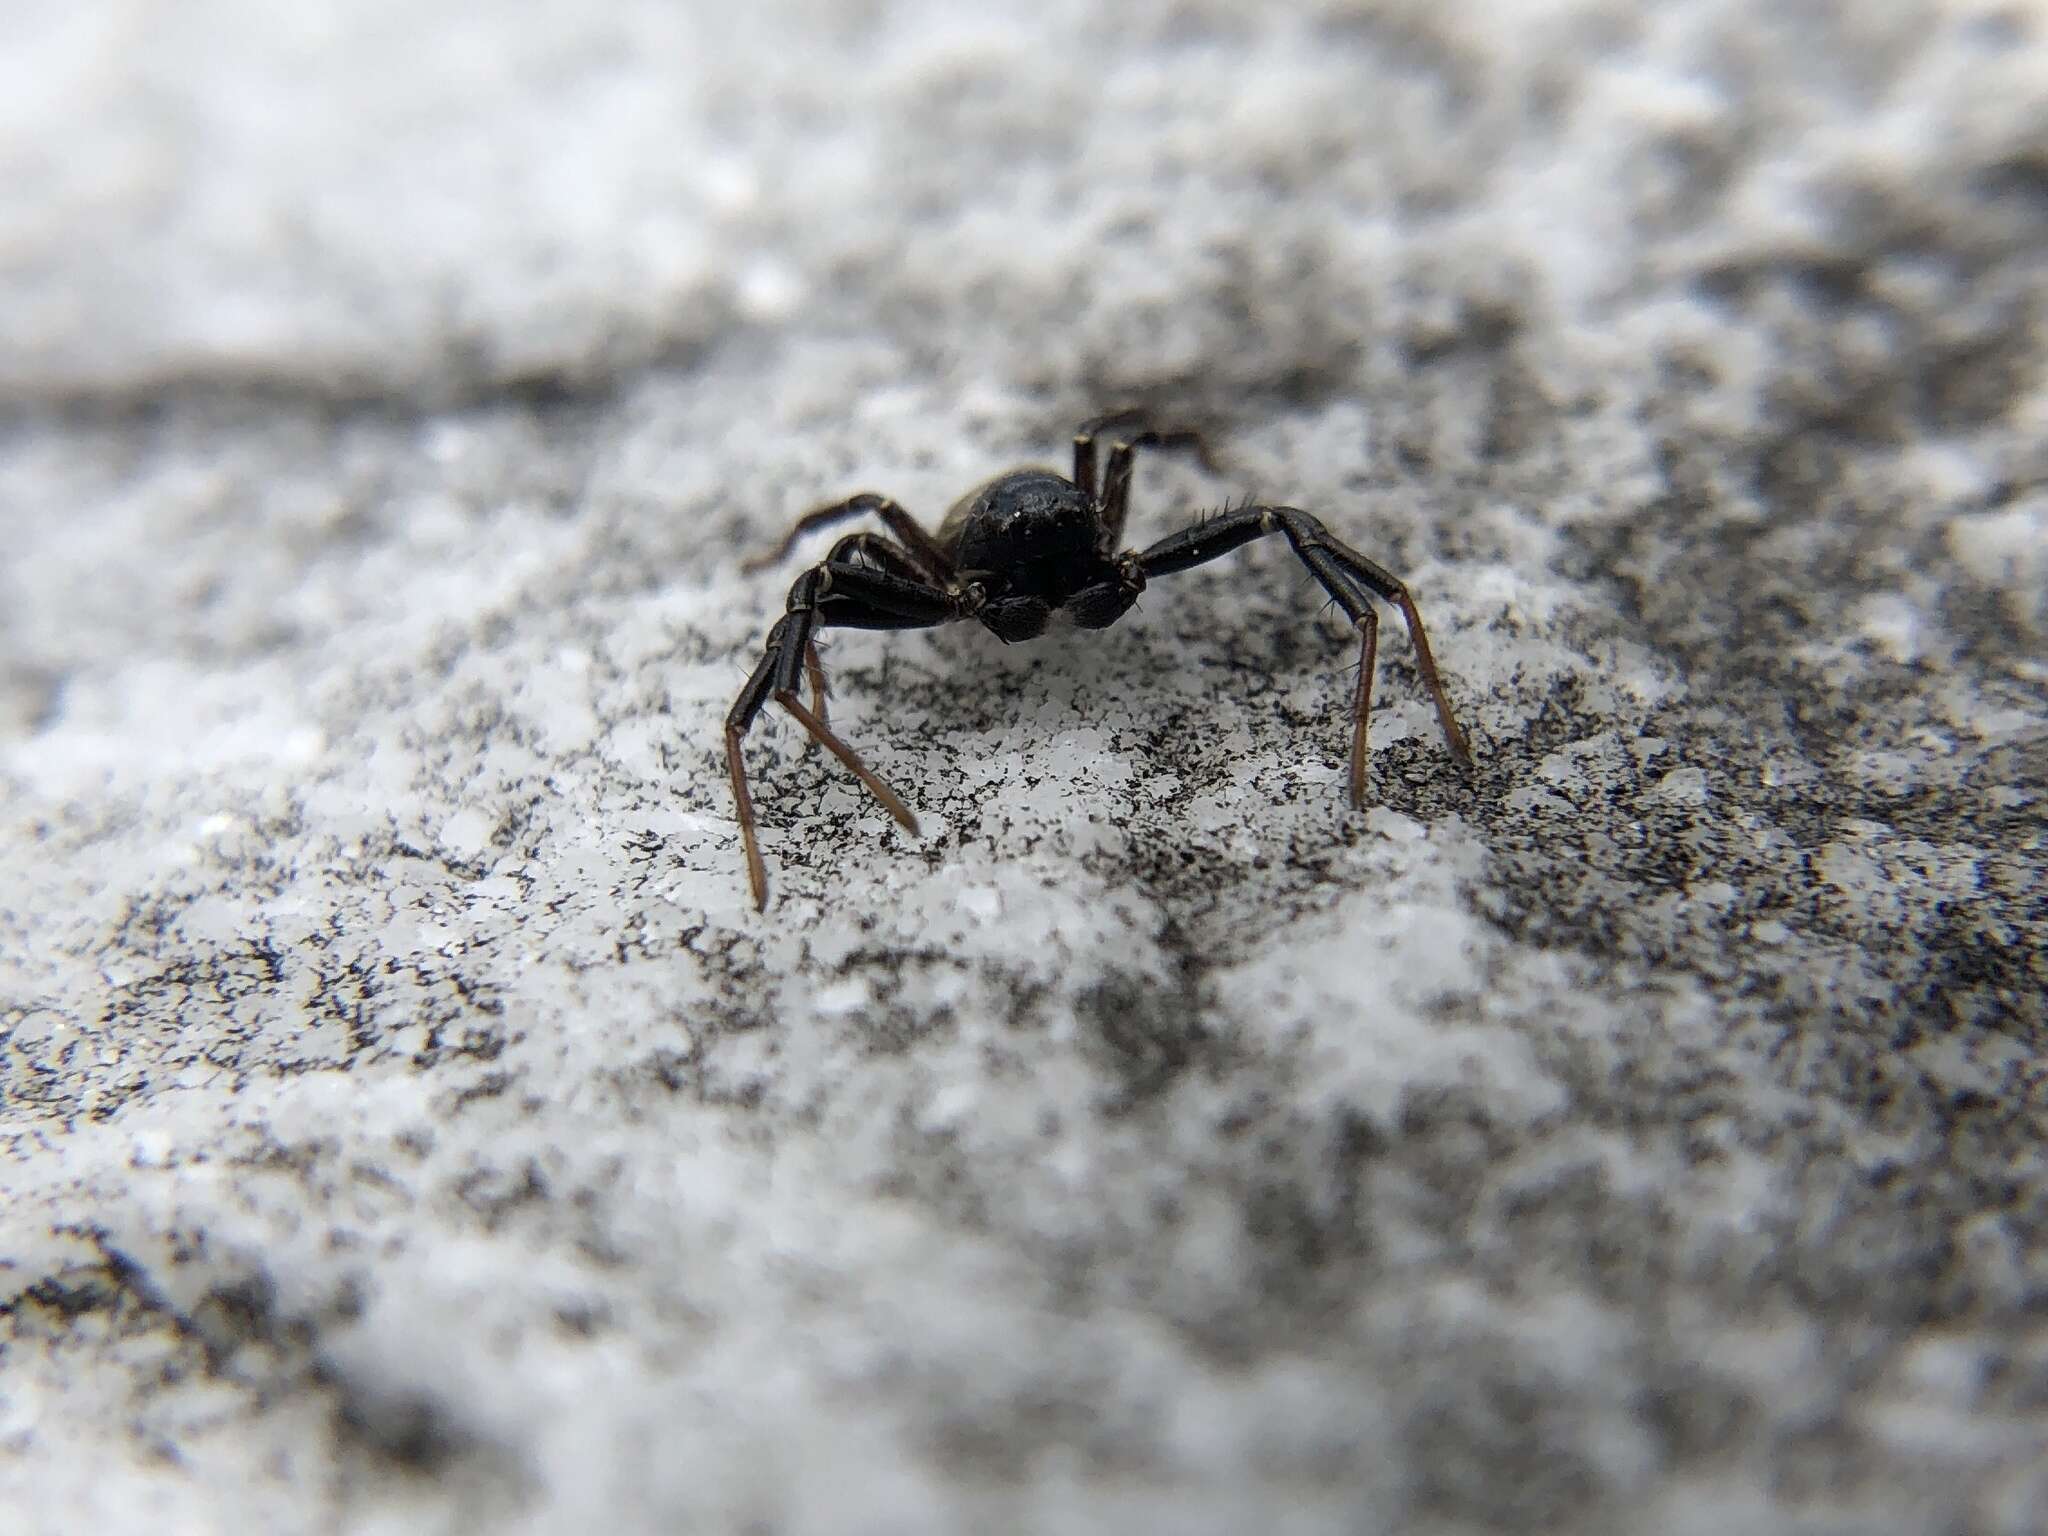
[1009, 555]
[1033, 542]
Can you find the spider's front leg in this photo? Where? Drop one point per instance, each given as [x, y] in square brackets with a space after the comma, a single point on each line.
[836, 593]
[1348, 577]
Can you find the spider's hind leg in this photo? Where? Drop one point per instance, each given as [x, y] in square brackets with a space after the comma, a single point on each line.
[1113, 495]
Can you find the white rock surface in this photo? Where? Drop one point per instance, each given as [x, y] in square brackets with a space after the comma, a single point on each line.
[410, 1126]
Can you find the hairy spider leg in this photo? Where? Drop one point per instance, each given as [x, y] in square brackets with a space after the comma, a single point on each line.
[836, 594]
[1348, 577]
[924, 552]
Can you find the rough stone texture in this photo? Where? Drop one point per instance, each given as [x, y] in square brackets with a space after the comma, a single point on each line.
[410, 1126]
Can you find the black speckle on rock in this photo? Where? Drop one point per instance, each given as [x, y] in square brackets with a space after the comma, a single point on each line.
[409, 1432]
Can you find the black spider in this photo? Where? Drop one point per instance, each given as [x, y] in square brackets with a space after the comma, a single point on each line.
[1008, 555]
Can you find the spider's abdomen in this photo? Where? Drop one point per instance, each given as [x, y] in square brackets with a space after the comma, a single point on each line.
[1028, 533]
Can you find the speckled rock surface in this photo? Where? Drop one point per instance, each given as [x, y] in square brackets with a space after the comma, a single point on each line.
[409, 1125]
